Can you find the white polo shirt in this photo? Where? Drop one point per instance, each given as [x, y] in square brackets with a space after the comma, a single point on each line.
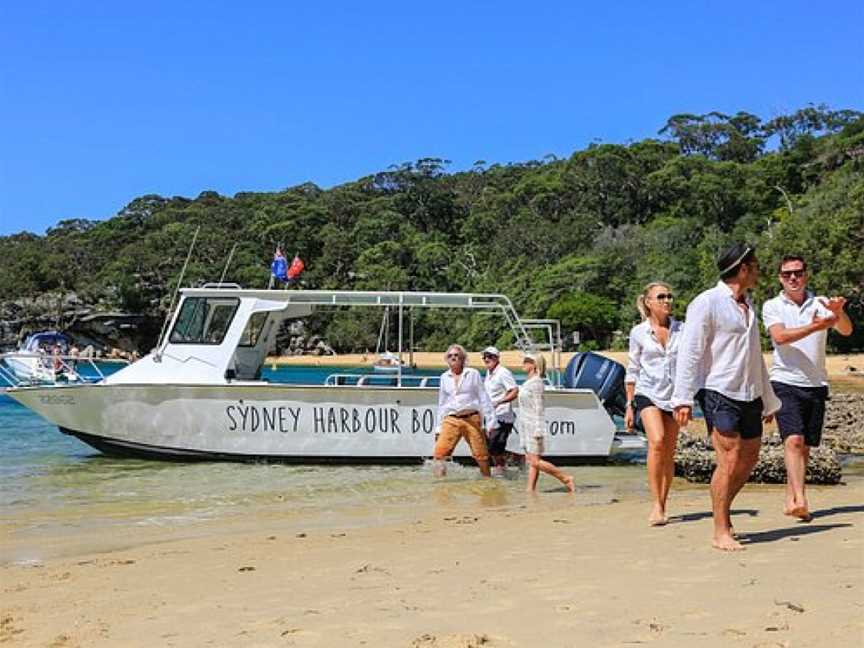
[720, 351]
[800, 363]
[650, 365]
[497, 384]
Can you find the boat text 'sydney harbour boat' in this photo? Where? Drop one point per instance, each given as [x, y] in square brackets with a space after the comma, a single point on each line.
[200, 395]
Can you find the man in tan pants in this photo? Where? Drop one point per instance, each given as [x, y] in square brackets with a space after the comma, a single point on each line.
[461, 400]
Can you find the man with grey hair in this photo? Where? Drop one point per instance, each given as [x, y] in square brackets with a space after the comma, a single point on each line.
[461, 400]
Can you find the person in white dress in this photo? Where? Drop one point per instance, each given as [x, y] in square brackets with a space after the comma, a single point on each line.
[532, 424]
[649, 382]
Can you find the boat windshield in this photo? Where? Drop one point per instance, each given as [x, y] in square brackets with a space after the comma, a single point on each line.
[204, 320]
[253, 329]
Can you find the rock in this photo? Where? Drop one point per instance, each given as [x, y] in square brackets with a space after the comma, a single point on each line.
[694, 460]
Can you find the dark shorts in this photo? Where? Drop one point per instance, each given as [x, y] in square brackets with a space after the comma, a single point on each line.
[731, 417]
[498, 441]
[641, 402]
[803, 412]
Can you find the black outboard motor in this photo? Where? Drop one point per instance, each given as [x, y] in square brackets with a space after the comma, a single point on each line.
[604, 376]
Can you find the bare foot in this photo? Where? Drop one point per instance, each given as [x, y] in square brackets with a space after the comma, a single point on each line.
[569, 483]
[726, 543]
[798, 511]
[657, 517]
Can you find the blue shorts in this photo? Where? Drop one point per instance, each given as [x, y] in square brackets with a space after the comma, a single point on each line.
[803, 412]
[731, 417]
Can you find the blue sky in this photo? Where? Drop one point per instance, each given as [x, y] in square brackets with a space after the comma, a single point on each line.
[101, 102]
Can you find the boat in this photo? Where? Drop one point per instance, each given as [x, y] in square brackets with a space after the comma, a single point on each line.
[43, 358]
[200, 394]
[385, 361]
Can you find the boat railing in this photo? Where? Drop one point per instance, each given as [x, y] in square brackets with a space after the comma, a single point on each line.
[380, 380]
[51, 369]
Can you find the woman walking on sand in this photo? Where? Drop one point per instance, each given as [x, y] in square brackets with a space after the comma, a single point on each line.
[649, 383]
[532, 424]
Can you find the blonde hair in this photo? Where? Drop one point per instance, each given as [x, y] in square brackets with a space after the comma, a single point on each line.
[641, 306]
[539, 362]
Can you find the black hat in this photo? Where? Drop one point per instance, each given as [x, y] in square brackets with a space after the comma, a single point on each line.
[732, 256]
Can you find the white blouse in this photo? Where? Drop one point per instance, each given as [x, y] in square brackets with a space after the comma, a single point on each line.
[650, 365]
[532, 422]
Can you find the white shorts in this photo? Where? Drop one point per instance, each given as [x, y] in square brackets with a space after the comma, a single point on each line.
[534, 445]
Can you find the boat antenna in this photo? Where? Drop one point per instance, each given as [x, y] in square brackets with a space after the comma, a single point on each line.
[227, 264]
[158, 355]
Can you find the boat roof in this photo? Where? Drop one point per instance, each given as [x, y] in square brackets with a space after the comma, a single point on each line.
[356, 297]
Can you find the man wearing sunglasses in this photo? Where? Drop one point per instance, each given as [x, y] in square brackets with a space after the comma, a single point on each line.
[798, 323]
[720, 364]
[461, 400]
[501, 387]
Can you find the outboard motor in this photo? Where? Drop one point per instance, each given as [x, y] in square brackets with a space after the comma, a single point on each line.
[604, 376]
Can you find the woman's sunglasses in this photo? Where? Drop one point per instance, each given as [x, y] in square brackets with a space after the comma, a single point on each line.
[664, 297]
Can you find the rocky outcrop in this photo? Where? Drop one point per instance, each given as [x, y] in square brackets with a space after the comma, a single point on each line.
[694, 460]
[87, 324]
[844, 422]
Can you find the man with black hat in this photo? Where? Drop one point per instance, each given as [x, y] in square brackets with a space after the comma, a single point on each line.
[720, 357]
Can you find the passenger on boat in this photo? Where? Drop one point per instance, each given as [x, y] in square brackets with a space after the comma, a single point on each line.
[532, 424]
[461, 399]
[502, 390]
[649, 382]
[279, 267]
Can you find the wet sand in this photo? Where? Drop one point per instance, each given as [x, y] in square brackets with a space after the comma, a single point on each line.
[546, 571]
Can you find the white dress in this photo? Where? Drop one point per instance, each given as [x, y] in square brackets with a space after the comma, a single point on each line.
[532, 422]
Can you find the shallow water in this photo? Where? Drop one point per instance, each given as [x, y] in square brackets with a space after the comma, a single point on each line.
[59, 495]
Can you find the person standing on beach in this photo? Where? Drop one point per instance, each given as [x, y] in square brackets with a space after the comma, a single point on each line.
[532, 424]
[501, 387]
[461, 399]
[649, 382]
[798, 323]
[720, 357]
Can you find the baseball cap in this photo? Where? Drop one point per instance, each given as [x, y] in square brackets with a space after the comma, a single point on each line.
[491, 350]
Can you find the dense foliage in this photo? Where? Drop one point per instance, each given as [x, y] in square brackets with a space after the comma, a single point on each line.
[573, 239]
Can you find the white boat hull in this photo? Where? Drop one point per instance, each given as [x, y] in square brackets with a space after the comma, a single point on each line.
[255, 421]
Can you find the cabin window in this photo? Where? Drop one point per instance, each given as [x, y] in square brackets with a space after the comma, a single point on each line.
[253, 329]
[203, 320]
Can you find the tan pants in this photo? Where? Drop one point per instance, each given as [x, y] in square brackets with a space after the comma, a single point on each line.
[454, 428]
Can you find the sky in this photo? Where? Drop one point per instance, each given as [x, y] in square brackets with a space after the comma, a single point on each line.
[103, 102]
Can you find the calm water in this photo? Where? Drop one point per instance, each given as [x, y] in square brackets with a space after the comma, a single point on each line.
[57, 493]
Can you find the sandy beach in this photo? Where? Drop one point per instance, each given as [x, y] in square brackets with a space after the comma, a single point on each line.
[839, 366]
[547, 571]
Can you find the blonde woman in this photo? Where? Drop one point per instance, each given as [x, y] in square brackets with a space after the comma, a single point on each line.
[649, 384]
[532, 424]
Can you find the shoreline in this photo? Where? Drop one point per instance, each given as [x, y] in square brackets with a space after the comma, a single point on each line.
[550, 571]
[838, 365]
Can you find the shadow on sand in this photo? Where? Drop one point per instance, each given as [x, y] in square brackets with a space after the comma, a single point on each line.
[759, 537]
[837, 510]
[702, 515]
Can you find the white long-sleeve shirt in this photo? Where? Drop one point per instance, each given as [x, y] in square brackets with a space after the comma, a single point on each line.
[720, 350]
[468, 396]
[650, 365]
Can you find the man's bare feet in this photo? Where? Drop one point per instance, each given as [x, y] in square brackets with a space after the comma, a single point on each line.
[798, 511]
[570, 484]
[726, 542]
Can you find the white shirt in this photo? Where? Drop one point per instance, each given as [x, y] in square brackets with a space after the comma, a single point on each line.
[468, 396]
[800, 363]
[497, 384]
[650, 365]
[720, 350]
[532, 420]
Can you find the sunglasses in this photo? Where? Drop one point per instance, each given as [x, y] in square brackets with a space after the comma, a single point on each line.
[788, 274]
[453, 356]
[664, 297]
